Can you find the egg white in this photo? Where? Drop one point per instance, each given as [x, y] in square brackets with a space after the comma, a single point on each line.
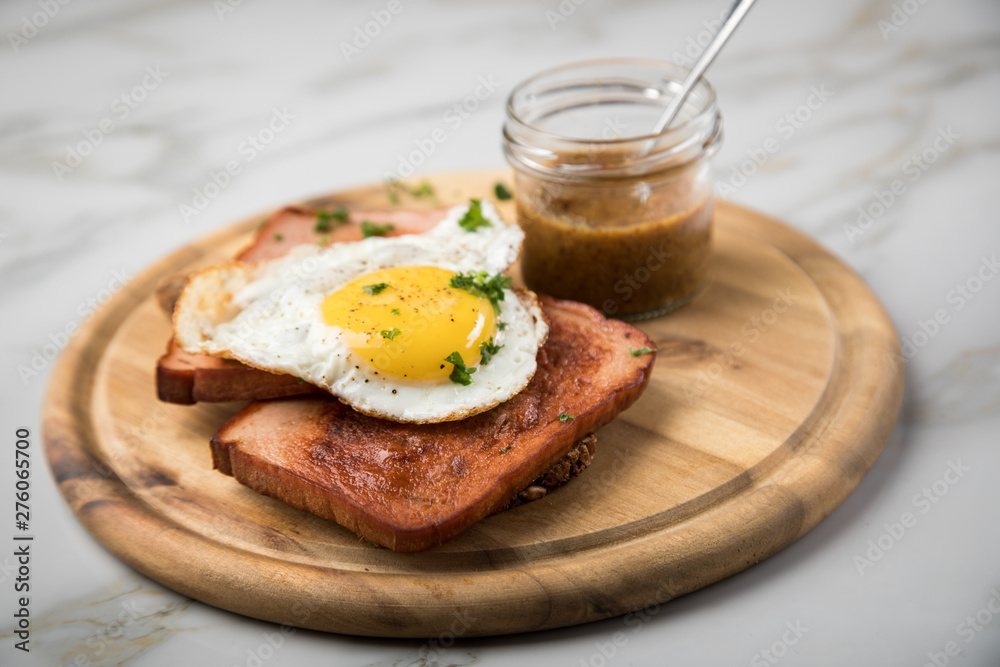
[268, 315]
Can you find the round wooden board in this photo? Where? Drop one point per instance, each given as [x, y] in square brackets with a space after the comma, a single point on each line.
[772, 395]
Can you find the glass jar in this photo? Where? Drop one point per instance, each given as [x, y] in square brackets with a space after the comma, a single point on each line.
[613, 215]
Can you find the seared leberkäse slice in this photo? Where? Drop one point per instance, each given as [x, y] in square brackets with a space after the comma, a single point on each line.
[294, 226]
[410, 487]
[186, 379]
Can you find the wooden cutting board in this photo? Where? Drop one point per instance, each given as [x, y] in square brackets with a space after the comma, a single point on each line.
[772, 395]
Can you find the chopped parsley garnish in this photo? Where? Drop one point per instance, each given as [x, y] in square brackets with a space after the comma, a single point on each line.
[325, 219]
[473, 218]
[369, 228]
[501, 191]
[506, 449]
[393, 187]
[487, 349]
[641, 351]
[501, 326]
[377, 288]
[279, 237]
[461, 374]
[565, 417]
[425, 189]
[300, 380]
[389, 335]
[323, 240]
[481, 284]
[394, 311]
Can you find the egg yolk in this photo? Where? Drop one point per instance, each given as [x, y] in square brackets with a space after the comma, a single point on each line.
[405, 320]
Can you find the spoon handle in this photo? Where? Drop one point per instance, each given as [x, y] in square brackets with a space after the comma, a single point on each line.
[736, 14]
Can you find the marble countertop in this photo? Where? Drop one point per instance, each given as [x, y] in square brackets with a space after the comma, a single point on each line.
[884, 115]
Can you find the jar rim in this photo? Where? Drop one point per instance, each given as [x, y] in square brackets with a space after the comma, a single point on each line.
[678, 74]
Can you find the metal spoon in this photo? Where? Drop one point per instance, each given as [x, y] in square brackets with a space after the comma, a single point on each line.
[736, 14]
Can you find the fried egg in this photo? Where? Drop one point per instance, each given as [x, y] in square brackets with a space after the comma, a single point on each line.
[419, 328]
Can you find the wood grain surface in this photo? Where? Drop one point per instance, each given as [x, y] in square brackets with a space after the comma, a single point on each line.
[772, 395]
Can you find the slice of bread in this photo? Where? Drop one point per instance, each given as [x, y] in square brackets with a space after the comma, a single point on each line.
[410, 487]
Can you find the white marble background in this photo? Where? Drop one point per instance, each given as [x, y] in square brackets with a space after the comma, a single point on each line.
[900, 79]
